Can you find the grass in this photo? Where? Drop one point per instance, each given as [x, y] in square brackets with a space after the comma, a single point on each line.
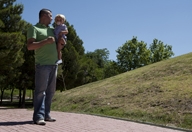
[159, 93]
[7, 94]
[15, 102]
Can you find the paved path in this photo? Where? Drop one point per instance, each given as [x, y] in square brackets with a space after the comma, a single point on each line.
[20, 120]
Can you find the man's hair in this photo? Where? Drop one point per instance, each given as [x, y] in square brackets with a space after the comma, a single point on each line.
[43, 11]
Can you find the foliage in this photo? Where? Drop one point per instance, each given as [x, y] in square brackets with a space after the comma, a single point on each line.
[102, 66]
[71, 55]
[134, 54]
[99, 56]
[159, 51]
[88, 67]
[111, 69]
[26, 80]
[11, 42]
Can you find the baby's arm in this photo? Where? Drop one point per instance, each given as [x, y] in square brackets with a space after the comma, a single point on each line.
[64, 32]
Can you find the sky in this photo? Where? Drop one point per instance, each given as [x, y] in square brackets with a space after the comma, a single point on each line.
[110, 23]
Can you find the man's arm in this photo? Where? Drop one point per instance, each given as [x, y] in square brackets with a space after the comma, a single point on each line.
[32, 45]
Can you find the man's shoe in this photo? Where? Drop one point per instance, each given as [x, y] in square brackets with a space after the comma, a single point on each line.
[40, 122]
[50, 119]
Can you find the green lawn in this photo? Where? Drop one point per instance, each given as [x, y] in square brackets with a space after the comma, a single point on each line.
[159, 93]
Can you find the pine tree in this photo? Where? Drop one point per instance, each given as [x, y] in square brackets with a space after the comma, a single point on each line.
[11, 42]
[71, 55]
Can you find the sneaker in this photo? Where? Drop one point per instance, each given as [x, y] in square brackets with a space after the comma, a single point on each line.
[40, 122]
[50, 119]
[59, 62]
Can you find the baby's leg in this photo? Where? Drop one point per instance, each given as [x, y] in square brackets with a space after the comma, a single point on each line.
[61, 43]
[59, 47]
[59, 54]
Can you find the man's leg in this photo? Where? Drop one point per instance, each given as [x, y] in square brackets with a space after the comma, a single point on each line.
[50, 90]
[41, 81]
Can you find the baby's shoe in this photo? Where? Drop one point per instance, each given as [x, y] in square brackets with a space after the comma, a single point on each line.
[59, 62]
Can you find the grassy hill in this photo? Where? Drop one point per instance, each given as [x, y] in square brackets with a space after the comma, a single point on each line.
[159, 93]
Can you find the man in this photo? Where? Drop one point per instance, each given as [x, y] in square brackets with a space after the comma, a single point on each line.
[40, 38]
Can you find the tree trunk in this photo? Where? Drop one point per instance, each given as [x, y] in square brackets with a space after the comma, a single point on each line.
[64, 86]
[19, 98]
[33, 96]
[2, 92]
[12, 94]
[23, 98]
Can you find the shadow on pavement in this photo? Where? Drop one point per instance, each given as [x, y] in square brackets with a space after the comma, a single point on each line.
[15, 123]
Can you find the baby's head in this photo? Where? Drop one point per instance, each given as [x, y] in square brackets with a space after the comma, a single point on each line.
[59, 19]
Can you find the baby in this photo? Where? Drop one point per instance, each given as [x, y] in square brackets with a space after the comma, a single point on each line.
[60, 32]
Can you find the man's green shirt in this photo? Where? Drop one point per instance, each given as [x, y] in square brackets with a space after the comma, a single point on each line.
[47, 54]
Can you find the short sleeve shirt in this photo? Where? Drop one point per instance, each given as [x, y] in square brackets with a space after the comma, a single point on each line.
[47, 54]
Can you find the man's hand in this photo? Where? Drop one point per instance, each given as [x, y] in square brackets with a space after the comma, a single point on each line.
[33, 45]
[50, 40]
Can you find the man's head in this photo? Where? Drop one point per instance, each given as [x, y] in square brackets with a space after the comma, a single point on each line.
[45, 16]
[59, 19]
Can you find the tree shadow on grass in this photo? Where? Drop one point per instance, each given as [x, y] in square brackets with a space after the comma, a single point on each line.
[9, 105]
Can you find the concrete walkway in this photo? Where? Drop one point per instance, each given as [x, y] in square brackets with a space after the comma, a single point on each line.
[20, 120]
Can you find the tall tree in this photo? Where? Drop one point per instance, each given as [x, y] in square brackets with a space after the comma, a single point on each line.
[87, 71]
[132, 55]
[99, 56]
[27, 69]
[111, 69]
[11, 42]
[160, 51]
[75, 40]
[71, 55]
[70, 65]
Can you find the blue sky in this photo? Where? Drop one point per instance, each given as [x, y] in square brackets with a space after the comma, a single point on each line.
[110, 23]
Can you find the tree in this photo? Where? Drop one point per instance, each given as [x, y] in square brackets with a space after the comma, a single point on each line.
[99, 59]
[99, 56]
[71, 55]
[159, 51]
[27, 69]
[75, 40]
[70, 65]
[87, 71]
[111, 69]
[132, 55]
[11, 42]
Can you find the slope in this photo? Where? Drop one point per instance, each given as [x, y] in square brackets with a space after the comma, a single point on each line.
[159, 93]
